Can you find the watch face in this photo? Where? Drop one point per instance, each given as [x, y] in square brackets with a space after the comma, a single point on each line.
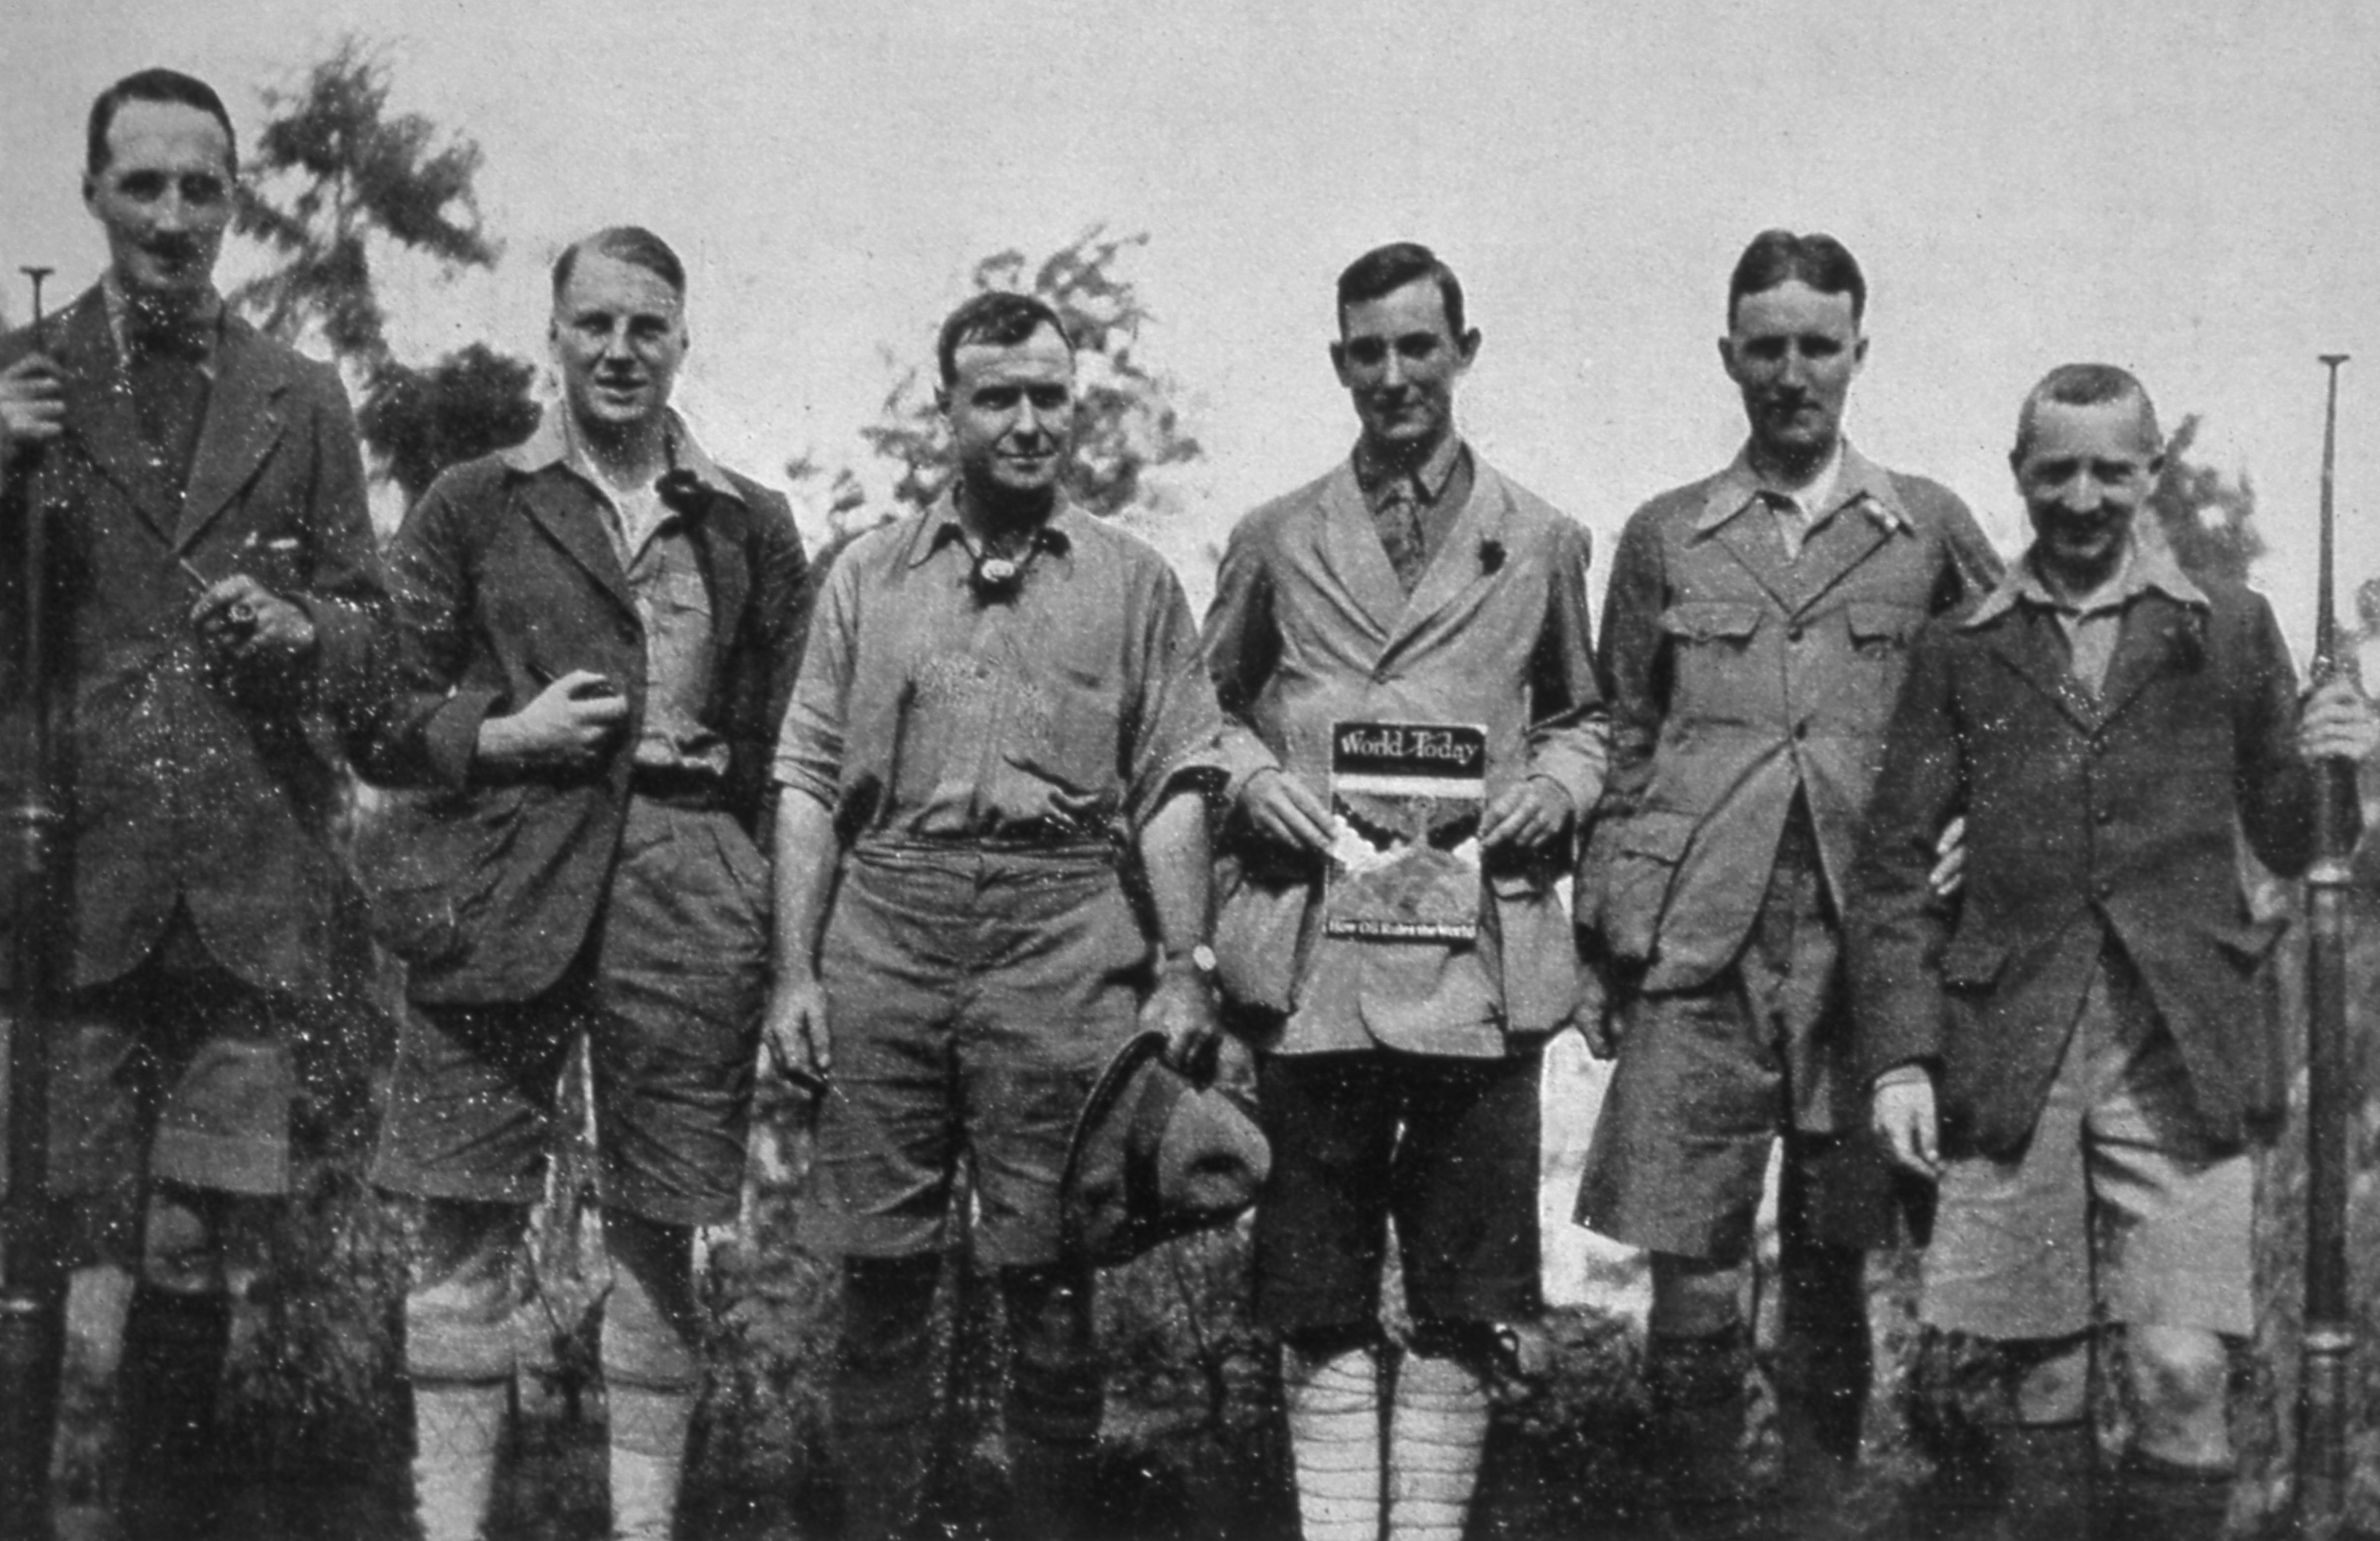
[1202, 958]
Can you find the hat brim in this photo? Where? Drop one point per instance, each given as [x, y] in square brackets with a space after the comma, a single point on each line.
[1106, 1092]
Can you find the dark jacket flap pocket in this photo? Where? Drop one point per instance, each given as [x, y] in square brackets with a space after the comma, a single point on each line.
[1711, 620]
[1871, 621]
[1971, 962]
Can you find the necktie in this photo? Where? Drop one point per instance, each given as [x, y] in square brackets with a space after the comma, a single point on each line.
[169, 393]
[1397, 515]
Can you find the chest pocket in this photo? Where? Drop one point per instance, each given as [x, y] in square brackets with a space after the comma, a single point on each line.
[1882, 629]
[1717, 622]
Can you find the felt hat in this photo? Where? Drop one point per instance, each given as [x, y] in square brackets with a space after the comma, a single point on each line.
[1154, 1155]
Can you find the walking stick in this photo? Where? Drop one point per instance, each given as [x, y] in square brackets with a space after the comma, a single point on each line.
[2330, 1326]
[31, 1293]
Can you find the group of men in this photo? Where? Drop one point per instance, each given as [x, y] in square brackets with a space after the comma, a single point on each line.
[941, 834]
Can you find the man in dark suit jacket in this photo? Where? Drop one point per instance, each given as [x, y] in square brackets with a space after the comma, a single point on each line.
[2082, 1032]
[596, 635]
[211, 586]
[1758, 624]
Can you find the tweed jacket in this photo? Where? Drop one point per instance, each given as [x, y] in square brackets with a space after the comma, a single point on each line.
[506, 580]
[1739, 678]
[182, 784]
[1309, 627]
[2089, 820]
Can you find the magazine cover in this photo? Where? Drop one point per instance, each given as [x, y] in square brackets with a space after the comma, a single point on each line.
[1406, 801]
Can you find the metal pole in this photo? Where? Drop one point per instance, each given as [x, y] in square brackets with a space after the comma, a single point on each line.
[33, 1283]
[2329, 1340]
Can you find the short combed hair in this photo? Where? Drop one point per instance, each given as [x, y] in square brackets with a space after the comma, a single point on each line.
[632, 244]
[2088, 385]
[1386, 269]
[996, 318]
[1777, 257]
[154, 85]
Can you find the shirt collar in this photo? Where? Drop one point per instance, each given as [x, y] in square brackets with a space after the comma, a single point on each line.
[2148, 565]
[553, 443]
[1856, 482]
[940, 526]
[1374, 474]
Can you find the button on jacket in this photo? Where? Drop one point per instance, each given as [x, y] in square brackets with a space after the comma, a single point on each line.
[1739, 678]
[1310, 628]
[2090, 819]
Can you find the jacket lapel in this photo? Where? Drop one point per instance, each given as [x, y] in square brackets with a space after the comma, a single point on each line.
[2019, 639]
[721, 534]
[566, 512]
[242, 426]
[1845, 540]
[1352, 553]
[1750, 536]
[1459, 562]
[100, 413]
[2156, 633]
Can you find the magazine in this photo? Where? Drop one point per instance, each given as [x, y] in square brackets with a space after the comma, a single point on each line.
[1405, 805]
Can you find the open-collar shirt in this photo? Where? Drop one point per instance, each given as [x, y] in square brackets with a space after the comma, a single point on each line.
[2093, 623]
[664, 572]
[1055, 707]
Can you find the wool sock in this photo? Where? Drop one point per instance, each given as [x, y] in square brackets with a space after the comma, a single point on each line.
[1334, 1438]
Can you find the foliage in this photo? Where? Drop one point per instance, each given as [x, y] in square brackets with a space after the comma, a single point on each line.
[2208, 518]
[1128, 424]
[335, 180]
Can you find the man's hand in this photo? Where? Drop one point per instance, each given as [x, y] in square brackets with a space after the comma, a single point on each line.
[569, 725]
[1283, 808]
[2338, 724]
[1950, 859]
[1598, 1015]
[1902, 1115]
[1183, 1008]
[32, 404]
[1524, 816]
[249, 626]
[794, 1037]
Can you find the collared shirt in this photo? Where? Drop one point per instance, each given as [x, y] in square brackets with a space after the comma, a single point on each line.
[1060, 706]
[1842, 484]
[1439, 486]
[664, 573]
[2092, 623]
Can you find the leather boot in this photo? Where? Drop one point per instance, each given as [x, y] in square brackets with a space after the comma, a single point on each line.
[166, 1388]
[2154, 1500]
[1699, 1387]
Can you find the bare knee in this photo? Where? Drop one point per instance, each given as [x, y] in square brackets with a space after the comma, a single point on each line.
[2180, 1380]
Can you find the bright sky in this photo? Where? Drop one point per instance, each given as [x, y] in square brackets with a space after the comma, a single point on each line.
[2189, 187]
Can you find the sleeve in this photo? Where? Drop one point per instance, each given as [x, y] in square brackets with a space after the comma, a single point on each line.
[1171, 725]
[429, 729]
[1241, 642]
[1636, 696]
[1567, 723]
[1894, 932]
[812, 739]
[779, 626]
[345, 591]
[2277, 790]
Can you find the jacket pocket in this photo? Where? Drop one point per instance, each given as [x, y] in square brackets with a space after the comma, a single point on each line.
[2247, 943]
[1879, 627]
[1711, 621]
[1649, 849]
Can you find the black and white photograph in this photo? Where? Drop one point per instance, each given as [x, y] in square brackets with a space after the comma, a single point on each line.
[1045, 772]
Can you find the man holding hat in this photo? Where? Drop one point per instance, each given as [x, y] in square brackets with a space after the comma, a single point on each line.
[1001, 712]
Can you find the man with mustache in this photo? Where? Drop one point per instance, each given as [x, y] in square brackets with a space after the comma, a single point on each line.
[596, 634]
[1758, 624]
[2082, 1041]
[1413, 584]
[1001, 719]
[212, 591]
